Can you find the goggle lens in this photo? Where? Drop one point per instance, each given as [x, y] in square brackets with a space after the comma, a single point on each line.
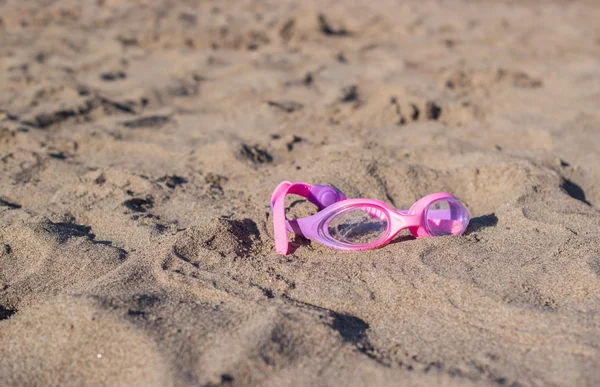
[446, 217]
[359, 226]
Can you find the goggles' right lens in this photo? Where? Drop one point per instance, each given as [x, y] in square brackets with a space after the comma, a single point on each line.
[446, 217]
[359, 225]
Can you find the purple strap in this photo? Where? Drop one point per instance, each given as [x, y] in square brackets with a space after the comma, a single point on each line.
[320, 195]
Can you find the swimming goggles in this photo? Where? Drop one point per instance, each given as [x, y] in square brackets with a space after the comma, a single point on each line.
[363, 224]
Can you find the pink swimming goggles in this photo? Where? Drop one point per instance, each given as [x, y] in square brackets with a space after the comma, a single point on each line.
[363, 224]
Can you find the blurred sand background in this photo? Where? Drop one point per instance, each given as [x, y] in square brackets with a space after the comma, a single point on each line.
[140, 142]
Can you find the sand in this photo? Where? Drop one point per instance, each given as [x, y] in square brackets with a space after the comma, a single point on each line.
[140, 142]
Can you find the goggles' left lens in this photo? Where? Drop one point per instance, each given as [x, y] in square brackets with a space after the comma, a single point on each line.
[446, 217]
[359, 226]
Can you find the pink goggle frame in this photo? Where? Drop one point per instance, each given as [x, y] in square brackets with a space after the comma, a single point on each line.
[363, 224]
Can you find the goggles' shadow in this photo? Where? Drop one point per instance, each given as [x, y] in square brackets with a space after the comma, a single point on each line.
[481, 222]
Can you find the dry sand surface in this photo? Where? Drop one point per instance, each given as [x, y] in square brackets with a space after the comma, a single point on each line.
[140, 142]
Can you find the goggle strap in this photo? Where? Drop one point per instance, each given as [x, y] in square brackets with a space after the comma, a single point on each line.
[320, 195]
[278, 207]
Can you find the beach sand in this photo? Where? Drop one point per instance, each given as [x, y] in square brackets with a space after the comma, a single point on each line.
[140, 142]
